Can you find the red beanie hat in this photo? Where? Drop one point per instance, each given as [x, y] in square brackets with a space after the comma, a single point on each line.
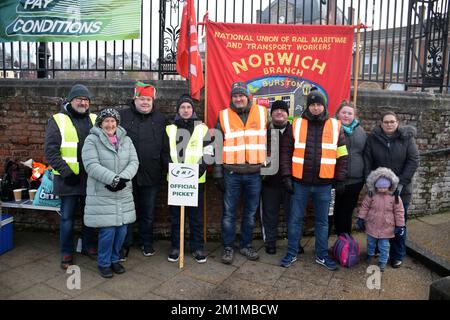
[144, 90]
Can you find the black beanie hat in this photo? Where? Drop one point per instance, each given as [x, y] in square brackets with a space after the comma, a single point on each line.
[78, 90]
[279, 104]
[315, 96]
[185, 98]
[107, 113]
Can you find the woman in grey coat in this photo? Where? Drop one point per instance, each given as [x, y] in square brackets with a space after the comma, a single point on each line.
[111, 162]
[347, 192]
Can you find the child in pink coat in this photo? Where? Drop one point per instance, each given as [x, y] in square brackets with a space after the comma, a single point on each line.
[381, 213]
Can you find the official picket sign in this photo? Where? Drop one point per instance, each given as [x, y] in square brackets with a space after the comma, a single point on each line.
[183, 185]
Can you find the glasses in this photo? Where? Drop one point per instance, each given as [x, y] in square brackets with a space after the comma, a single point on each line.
[81, 100]
[389, 122]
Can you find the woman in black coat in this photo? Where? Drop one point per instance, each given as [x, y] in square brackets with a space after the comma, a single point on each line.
[395, 148]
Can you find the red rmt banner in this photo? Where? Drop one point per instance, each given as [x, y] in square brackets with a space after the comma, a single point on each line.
[278, 62]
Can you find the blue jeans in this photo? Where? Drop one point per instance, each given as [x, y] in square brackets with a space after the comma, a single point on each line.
[145, 200]
[195, 223]
[110, 240]
[68, 206]
[249, 185]
[383, 246]
[321, 196]
[398, 246]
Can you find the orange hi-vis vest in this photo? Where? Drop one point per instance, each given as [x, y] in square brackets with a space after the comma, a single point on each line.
[330, 150]
[244, 143]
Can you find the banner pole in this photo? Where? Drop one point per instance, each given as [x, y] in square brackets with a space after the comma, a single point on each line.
[355, 85]
[181, 237]
[205, 111]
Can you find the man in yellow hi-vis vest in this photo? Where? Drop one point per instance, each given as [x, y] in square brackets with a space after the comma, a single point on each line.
[313, 157]
[64, 139]
[189, 140]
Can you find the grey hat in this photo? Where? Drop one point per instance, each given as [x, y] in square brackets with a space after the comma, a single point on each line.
[107, 113]
[78, 90]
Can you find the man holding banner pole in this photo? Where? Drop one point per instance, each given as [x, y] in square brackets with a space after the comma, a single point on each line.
[188, 143]
[243, 125]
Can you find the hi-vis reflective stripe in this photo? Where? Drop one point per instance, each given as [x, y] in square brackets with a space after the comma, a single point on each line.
[66, 144]
[327, 161]
[246, 133]
[335, 124]
[226, 123]
[329, 146]
[298, 160]
[245, 147]
[300, 145]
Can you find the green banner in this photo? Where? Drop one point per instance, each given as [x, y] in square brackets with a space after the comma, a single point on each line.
[69, 20]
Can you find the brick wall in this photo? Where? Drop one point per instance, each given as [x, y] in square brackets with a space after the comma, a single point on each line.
[26, 105]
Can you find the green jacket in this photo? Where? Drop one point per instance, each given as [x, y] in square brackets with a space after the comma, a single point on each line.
[102, 162]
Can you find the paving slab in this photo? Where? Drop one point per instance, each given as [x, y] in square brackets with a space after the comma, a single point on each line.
[40, 291]
[260, 273]
[95, 294]
[212, 271]
[236, 288]
[184, 287]
[286, 288]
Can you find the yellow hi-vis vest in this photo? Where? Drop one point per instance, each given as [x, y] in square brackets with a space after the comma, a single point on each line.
[330, 149]
[69, 140]
[194, 149]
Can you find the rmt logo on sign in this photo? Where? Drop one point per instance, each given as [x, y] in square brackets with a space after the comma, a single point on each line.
[183, 172]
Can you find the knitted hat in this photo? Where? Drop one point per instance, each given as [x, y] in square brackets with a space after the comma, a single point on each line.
[107, 113]
[240, 88]
[315, 96]
[78, 90]
[185, 98]
[383, 182]
[144, 90]
[279, 104]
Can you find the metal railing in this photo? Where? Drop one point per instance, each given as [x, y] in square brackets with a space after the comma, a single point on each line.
[404, 48]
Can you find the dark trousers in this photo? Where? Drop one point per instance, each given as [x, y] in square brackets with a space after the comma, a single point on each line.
[195, 215]
[398, 246]
[272, 198]
[344, 205]
[145, 197]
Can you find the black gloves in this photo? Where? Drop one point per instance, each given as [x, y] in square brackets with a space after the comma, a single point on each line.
[339, 188]
[399, 231]
[287, 183]
[220, 184]
[72, 180]
[119, 186]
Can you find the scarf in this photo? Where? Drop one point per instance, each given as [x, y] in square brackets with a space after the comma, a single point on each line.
[349, 129]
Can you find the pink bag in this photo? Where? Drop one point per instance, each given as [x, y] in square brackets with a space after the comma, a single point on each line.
[346, 250]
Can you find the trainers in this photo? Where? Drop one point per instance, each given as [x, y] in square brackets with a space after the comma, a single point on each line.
[199, 256]
[227, 255]
[174, 255]
[396, 264]
[327, 262]
[250, 253]
[91, 253]
[382, 266]
[148, 251]
[287, 261]
[105, 272]
[124, 254]
[117, 268]
[66, 261]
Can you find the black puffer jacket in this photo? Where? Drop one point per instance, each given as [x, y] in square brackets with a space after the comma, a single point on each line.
[52, 146]
[313, 152]
[148, 133]
[274, 180]
[398, 152]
